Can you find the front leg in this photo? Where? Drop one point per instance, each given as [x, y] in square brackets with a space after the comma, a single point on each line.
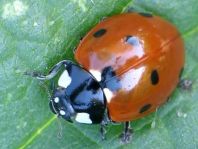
[103, 130]
[127, 133]
[55, 69]
[103, 125]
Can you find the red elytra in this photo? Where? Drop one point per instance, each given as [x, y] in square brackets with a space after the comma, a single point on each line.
[147, 56]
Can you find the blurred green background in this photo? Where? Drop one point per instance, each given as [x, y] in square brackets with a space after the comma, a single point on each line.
[36, 34]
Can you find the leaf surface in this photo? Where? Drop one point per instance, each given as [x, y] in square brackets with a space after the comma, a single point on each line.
[35, 35]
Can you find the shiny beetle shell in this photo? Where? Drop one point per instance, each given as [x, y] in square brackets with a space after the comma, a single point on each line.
[143, 55]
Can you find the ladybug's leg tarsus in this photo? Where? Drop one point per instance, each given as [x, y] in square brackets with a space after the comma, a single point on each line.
[51, 74]
[103, 18]
[103, 130]
[185, 84]
[127, 133]
[103, 125]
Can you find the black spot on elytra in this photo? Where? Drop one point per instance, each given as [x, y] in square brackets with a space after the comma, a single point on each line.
[148, 15]
[145, 108]
[134, 41]
[99, 33]
[154, 77]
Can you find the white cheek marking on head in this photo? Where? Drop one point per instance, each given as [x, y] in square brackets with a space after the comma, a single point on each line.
[62, 112]
[109, 94]
[96, 74]
[83, 118]
[56, 99]
[64, 79]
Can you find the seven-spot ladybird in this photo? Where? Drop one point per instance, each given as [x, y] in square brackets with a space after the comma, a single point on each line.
[127, 66]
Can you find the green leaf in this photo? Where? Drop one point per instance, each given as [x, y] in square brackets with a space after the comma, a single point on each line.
[35, 35]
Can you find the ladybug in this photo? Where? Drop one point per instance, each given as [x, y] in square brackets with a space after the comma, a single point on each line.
[127, 66]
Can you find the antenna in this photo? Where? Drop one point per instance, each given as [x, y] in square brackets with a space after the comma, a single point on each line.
[60, 129]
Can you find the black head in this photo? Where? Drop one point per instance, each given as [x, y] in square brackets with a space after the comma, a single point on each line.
[60, 104]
